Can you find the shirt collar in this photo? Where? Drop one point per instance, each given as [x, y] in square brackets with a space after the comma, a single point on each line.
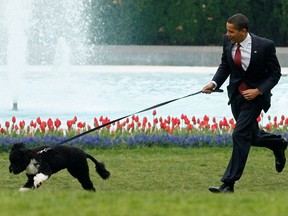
[246, 41]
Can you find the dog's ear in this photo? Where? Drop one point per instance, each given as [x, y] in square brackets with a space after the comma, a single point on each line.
[17, 146]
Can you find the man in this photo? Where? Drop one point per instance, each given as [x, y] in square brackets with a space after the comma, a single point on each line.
[254, 70]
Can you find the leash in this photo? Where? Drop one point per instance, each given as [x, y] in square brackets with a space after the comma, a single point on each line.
[144, 110]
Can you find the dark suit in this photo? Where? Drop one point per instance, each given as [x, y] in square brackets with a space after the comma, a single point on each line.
[263, 73]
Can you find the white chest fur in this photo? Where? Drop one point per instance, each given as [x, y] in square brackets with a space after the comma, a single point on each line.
[32, 167]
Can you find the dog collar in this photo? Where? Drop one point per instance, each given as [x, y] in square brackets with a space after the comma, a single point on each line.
[43, 150]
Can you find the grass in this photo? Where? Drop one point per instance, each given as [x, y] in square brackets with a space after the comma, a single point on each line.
[154, 181]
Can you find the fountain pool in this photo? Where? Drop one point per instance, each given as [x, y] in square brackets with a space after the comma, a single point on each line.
[115, 91]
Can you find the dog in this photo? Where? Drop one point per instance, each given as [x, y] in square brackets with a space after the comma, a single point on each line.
[41, 162]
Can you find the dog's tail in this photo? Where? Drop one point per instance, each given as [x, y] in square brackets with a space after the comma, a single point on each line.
[100, 167]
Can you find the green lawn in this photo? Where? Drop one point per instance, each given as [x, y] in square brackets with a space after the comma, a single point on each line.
[153, 181]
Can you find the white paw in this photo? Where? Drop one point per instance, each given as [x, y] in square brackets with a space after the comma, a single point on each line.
[39, 179]
[24, 189]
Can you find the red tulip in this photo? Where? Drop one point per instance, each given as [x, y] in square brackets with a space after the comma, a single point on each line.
[101, 118]
[33, 124]
[119, 126]
[269, 117]
[43, 126]
[80, 125]
[190, 127]
[163, 125]
[57, 123]
[224, 123]
[214, 127]
[154, 112]
[69, 123]
[145, 120]
[7, 124]
[96, 123]
[13, 119]
[194, 120]
[168, 120]
[22, 124]
[136, 119]
[38, 120]
[186, 121]
[206, 118]
[49, 122]
[183, 116]
[155, 121]
[51, 127]
[268, 126]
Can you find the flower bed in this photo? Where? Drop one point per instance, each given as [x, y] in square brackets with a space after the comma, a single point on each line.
[181, 131]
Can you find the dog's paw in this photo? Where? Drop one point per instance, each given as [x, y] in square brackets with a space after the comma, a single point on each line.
[39, 179]
[24, 189]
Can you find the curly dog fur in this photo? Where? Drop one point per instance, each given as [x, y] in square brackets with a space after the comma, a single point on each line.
[40, 163]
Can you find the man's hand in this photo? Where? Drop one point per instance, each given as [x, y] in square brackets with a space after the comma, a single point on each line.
[208, 88]
[250, 94]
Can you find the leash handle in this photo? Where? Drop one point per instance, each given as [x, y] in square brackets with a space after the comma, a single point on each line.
[218, 90]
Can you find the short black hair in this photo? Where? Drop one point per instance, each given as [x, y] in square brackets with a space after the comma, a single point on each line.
[240, 21]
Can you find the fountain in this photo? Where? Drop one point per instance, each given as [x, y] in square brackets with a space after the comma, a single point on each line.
[41, 33]
[16, 47]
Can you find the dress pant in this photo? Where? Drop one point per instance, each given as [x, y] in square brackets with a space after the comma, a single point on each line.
[246, 134]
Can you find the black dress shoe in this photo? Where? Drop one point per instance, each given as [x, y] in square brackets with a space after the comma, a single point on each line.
[279, 153]
[224, 188]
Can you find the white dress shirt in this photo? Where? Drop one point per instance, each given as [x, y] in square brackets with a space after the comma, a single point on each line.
[245, 48]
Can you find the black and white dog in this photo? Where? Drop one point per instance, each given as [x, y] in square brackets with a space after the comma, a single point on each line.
[40, 163]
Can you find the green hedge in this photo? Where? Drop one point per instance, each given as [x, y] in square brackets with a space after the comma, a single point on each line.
[183, 22]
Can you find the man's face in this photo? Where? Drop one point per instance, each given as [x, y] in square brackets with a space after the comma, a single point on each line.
[235, 35]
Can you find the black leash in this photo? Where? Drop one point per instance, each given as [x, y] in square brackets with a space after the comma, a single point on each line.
[116, 120]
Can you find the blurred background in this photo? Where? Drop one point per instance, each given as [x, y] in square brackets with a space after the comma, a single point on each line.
[61, 58]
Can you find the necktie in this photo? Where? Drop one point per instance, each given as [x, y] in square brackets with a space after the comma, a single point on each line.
[237, 61]
[237, 57]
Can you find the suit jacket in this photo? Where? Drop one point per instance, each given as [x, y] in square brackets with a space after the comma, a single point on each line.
[263, 71]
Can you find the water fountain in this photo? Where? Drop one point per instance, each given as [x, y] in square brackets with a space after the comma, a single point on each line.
[16, 46]
[37, 32]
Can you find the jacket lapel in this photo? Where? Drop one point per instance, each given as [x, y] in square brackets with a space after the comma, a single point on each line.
[230, 46]
[254, 51]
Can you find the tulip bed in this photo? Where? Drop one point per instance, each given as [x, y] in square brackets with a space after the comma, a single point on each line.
[131, 132]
